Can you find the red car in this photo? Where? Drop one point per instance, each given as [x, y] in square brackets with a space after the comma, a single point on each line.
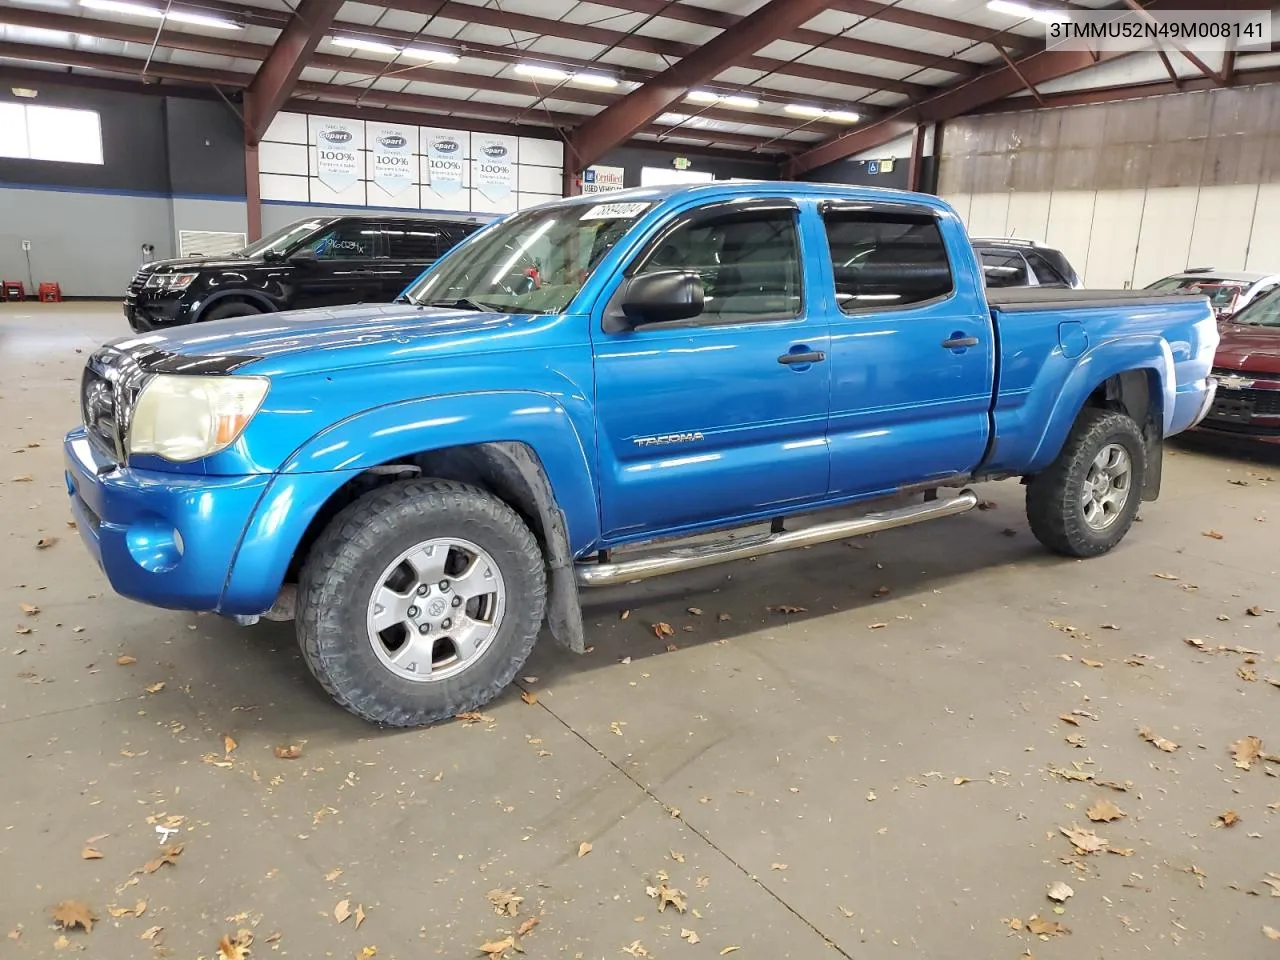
[1248, 371]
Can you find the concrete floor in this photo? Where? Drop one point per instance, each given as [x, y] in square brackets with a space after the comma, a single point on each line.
[797, 776]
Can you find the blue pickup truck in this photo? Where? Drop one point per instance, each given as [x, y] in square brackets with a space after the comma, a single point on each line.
[582, 394]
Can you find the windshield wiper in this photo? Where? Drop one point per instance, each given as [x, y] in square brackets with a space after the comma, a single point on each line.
[465, 303]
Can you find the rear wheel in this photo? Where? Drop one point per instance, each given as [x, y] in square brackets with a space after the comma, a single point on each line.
[238, 308]
[1085, 502]
[420, 601]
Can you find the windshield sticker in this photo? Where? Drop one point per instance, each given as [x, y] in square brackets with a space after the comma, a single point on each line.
[615, 211]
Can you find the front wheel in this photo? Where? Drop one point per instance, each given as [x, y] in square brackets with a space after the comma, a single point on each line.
[1085, 502]
[420, 601]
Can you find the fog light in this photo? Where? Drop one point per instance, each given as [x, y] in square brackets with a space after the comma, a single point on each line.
[154, 545]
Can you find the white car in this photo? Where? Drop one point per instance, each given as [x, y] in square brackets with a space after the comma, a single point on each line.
[1229, 291]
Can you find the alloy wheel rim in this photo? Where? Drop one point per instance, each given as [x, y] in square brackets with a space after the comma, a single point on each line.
[436, 609]
[1107, 486]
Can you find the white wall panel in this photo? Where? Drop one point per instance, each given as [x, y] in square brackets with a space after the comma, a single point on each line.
[988, 214]
[1113, 239]
[1264, 245]
[961, 203]
[1165, 238]
[458, 200]
[538, 179]
[482, 204]
[542, 153]
[1070, 224]
[277, 187]
[282, 158]
[526, 200]
[1220, 234]
[1028, 217]
[287, 128]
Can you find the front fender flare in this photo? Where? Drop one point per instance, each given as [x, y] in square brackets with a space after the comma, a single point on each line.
[395, 433]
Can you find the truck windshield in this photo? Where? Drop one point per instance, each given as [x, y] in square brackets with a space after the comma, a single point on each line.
[1221, 293]
[1263, 312]
[532, 262]
[284, 238]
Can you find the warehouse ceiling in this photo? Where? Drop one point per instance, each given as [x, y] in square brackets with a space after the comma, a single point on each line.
[805, 81]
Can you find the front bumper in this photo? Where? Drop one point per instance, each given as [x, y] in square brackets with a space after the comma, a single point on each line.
[146, 314]
[165, 539]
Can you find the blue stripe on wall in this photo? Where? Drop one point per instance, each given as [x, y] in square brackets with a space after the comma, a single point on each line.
[147, 194]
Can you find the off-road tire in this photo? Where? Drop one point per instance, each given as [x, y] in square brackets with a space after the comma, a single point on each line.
[341, 573]
[237, 308]
[1055, 497]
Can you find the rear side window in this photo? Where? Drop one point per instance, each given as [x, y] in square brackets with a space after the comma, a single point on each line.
[413, 241]
[1046, 275]
[886, 258]
[1004, 268]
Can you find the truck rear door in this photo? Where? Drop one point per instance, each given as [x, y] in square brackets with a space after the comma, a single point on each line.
[723, 416]
[912, 351]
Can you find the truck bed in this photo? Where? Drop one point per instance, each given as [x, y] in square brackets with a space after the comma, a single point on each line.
[1018, 299]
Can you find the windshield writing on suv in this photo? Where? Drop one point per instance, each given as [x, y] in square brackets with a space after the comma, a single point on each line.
[532, 262]
[283, 239]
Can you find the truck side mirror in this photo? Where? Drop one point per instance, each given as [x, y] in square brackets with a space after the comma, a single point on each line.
[663, 296]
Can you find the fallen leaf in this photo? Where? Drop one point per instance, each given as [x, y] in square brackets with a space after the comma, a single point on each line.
[728, 950]
[1246, 752]
[140, 908]
[1009, 532]
[881, 592]
[342, 910]
[1254, 611]
[529, 924]
[662, 630]
[1213, 535]
[1110, 626]
[126, 660]
[723, 617]
[1059, 892]
[21, 630]
[155, 687]
[505, 902]
[529, 697]
[1229, 818]
[690, 936]
[624, 614]
[24, 478]
[616, 726]
[291, 752]
[1045, 928]
[62, 943]
[235, 948]
[986, 505]
[44, 543]
[1104, 811]
[30, 609]
[1271, 933]
[497, 948]
[636, 949]
[1238, 483]
[1273, 881]
[1068, 718]
[472, 717]
[359, 915]
[367, 953]
[229, 744]
[1147, 734]
[961, 781]
[333, 874]
[871, 795]
[1165, 576]
[150, 933]
[70, 914]
[695, 611]
[170, 856]
[1092, 663]
[787, 608]
[667, 895]
[1077, 740]
[1067, 774]
[777, 866]
[676, 856]
[1246, 673]
[1121, 851]
[89, 853]
[877, 626]
[1085, 841]
[583, 849]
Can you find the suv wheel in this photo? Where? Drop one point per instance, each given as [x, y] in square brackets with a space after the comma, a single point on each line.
[236, 309]
[420, 601]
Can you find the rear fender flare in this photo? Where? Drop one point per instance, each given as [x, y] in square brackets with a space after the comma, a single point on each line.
[1094, 368]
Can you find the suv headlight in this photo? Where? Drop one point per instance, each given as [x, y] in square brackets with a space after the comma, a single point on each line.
[183, 418]
[180, 281]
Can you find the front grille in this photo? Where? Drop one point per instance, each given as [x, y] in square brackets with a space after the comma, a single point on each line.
[135, 287]
[108, 389]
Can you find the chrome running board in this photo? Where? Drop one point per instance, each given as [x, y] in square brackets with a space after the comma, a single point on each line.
[741, 548]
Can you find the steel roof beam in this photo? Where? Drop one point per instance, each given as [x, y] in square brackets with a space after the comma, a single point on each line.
[274, 82]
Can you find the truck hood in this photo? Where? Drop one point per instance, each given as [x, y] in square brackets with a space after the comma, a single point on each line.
[337, 336]
[1249, 348]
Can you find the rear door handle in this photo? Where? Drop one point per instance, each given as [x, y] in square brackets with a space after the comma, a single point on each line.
[957, 343]
[816, 356]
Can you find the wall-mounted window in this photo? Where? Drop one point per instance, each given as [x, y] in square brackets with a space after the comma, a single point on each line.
[50, 133]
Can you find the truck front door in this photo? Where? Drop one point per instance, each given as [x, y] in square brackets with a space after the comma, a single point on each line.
[723, 416]
[912, 351]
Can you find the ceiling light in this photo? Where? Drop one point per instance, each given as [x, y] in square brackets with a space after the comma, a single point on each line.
[155, 13]
[737, 100]
[595, 79]
[804, 110]
[702, 96]
[429, 56]
[358, 43]
[25, 92]
[541, 73]
[1014, 8]
[842, 116]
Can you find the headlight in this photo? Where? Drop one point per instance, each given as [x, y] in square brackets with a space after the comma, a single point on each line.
[155, 280]
[184, 418]
[181, 281]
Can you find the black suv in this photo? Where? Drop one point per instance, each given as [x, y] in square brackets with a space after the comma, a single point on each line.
[318, 262]
[1023, 263]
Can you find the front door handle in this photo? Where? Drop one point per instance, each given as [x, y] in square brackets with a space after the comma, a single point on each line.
[959, 343]
[815, 356]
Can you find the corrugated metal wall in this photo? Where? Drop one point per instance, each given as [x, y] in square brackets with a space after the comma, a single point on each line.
[1131, 190]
